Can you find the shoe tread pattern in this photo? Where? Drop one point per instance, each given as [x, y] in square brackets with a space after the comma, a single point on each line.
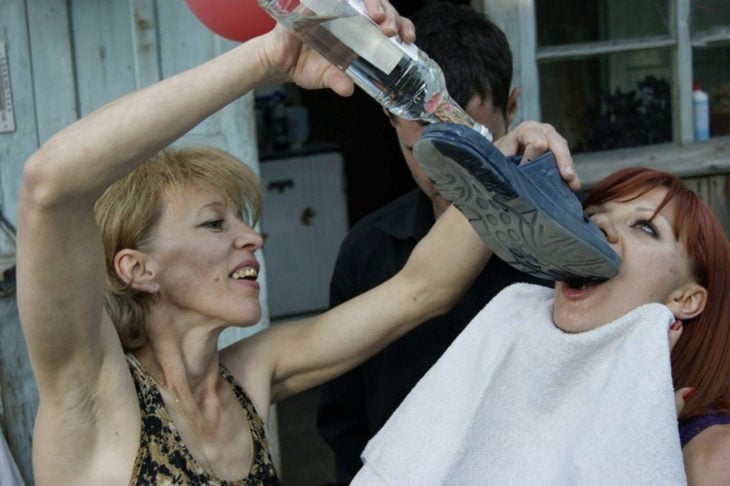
[510, 226]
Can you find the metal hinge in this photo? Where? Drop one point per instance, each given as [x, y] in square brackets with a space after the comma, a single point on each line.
[7, 115]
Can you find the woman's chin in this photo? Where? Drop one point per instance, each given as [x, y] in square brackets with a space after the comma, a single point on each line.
[247, 319]
[572, 320]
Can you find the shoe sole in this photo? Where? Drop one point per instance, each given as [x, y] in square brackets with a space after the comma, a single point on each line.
[510, 225]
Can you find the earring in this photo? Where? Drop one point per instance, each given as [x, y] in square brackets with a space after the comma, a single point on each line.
[156, 297]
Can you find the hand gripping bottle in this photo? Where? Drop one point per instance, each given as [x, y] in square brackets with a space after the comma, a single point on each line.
[399, 76]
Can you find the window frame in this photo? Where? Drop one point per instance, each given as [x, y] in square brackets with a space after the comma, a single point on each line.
[517, 19]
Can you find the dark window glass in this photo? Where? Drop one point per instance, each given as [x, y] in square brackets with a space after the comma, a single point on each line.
[707, 14]
[609, 101]
[711, 68]
[578, 21]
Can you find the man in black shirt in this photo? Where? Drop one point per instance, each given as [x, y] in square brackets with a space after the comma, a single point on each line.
[477, 62]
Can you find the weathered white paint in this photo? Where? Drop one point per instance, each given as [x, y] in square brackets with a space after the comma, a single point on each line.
[682, 119]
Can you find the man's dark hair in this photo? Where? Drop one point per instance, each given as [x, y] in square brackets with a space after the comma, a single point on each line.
[472, 51]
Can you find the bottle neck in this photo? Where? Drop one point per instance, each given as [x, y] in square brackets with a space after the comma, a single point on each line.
[484, 131]
[450, 111]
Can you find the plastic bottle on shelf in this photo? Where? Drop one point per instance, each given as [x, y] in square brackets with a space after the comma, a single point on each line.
[401, 77]
[701, 112]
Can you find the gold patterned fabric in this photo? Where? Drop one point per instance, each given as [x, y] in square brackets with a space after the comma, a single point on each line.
[163, 458]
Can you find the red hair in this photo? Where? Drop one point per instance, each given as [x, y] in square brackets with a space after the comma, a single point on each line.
[701, 357]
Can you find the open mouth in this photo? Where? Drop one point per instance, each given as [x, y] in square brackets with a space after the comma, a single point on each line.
[583, 283]
[247, 273]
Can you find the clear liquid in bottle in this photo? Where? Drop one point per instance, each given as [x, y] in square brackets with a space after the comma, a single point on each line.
[401, 77]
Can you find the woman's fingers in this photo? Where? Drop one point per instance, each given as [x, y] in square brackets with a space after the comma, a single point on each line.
[675, 331]
[532, 139]
[389, 20]
[291, 60]
[682, 396]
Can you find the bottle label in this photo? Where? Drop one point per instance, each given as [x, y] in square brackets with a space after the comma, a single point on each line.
[325, 8]
[359, 33]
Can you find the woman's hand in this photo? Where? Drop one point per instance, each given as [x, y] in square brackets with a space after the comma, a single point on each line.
[681, 395]
[287, 59]
[532, 139]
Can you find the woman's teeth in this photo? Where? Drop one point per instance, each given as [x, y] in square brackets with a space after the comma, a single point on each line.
[245, 273]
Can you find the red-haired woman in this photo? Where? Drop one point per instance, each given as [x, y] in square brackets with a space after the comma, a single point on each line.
[573, 385]
[701, 356]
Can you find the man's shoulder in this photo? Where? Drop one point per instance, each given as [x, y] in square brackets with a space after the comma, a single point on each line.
[392, 216]
[385, 233]
[404, 204]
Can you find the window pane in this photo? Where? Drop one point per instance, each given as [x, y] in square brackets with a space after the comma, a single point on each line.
[711, 67]
[578, 21]
[706, 14]
[611, 101]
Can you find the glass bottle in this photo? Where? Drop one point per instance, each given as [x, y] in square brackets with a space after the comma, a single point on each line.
[399, 76]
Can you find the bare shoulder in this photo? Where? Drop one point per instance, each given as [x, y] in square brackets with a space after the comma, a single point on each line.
[250, 362]
[707, 457]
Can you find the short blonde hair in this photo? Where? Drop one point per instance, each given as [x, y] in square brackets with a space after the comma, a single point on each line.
[129, 210]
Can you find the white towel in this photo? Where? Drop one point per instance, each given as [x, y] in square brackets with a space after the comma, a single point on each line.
[516, 401]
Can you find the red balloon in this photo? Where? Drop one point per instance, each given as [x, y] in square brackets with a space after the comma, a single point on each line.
[237, 20]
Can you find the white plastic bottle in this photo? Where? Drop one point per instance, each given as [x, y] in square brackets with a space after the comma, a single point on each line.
[399, 76]
[701, 112]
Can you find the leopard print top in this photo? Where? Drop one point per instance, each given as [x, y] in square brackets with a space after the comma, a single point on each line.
[163, 458]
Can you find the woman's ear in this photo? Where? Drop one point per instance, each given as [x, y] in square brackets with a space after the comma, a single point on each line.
[687, 301]
[135, 269]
